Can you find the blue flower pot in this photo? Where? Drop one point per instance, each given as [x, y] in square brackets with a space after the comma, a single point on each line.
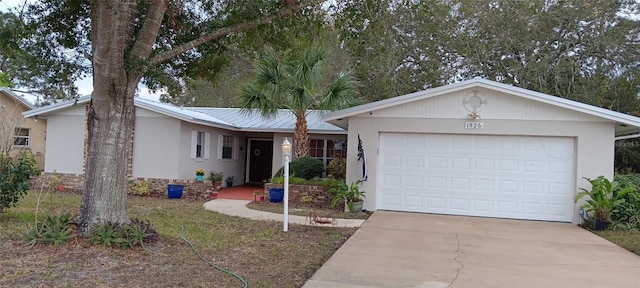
[276, 194]
[174, 190]
[199, 178]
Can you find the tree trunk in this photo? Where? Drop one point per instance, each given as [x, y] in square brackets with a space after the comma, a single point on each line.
[301, 136]
[110, 119]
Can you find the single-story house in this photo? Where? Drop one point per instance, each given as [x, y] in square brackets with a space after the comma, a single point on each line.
[171, 142]
[20, 133]
[481, 148]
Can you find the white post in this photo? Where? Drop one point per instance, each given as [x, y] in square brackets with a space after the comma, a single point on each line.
[286, 193]
[286, 151]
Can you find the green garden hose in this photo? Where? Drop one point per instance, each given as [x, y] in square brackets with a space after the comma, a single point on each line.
[244, 282]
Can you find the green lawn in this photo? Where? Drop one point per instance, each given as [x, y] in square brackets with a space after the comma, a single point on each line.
[304, 211]
[256, 250]
[629, 240]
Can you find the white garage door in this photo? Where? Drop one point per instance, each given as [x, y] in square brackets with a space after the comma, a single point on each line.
[477, 175]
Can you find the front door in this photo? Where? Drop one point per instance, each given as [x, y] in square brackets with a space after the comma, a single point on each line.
[260, 160]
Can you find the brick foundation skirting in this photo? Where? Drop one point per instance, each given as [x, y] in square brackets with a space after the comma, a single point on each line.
[318, 196]
[157, 187]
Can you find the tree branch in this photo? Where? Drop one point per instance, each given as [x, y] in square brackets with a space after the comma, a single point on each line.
[230, 29]
[149, 32]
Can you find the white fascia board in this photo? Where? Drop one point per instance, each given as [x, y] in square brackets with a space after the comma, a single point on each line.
[185, 116]
[43, 111]
[280, 130]
[18, 98]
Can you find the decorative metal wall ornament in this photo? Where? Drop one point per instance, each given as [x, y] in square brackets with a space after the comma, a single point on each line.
[473, 103]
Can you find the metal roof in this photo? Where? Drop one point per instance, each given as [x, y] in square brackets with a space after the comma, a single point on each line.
[625, 124]
[17, 98]
[228, 118]
[284, 120]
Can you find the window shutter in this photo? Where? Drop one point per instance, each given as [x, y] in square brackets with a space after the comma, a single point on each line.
[207, 145]
[235, 149]
[220, 143]
[194, 142]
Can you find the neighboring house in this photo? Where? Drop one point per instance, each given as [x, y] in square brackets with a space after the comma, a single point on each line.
[17, 133]
[481, 148]
[171, 142]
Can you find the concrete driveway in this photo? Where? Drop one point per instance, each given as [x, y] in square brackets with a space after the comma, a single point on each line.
[395, 249]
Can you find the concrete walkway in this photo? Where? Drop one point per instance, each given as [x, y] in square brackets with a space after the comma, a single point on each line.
[238, 208]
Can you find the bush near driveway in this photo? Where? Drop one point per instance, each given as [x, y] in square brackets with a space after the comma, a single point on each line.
[258, 251]
[629, 210]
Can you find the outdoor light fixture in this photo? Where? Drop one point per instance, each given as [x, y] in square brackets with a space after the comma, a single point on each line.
[286, 152]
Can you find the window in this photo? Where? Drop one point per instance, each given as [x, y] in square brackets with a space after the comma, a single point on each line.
[227, 147]
[21, 138]
[327, 150]
[200, 145]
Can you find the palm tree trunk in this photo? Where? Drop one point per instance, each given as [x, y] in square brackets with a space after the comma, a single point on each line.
[301, 136]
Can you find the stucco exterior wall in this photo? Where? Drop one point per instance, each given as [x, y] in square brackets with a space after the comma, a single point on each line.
[594, 139]
[498, 105]
[156, 145]
[65, 141]
[37, 128]
[230, 167]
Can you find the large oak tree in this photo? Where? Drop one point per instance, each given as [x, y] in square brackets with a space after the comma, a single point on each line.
[158, 42]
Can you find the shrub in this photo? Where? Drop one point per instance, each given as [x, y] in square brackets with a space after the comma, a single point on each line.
[337, 168]
[14, 178]
[629, 205]
[305, 167]
[141, 188]
[292, 180]
[136, 233]
[55, 230]
[301, 181]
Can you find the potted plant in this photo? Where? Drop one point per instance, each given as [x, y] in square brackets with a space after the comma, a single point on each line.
[216, 179]
[351, 195]
[276, 194]
[604, 197]
[200, 174]
[259, 194]
[230, 181]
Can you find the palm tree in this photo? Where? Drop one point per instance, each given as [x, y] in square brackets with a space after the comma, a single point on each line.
[297, 85]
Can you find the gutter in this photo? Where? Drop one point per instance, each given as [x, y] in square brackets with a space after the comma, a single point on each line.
[627, 137]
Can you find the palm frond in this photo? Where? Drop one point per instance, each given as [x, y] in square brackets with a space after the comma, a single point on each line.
[254, 99]
[339, 94]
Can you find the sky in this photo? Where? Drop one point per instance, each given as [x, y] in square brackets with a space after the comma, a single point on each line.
[85, 86]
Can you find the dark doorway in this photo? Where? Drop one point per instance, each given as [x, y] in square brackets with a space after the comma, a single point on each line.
[260, 160]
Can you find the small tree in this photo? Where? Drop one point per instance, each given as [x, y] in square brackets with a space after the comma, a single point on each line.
[14, 178]
[298, 85]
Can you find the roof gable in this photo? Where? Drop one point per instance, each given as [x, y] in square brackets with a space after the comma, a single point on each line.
[626, 124]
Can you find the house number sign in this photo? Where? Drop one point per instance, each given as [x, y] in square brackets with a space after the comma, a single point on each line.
[473, 125]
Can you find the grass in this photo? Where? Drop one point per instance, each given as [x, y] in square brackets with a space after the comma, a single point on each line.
[256, 250]
[304, 211]
[629, 240]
